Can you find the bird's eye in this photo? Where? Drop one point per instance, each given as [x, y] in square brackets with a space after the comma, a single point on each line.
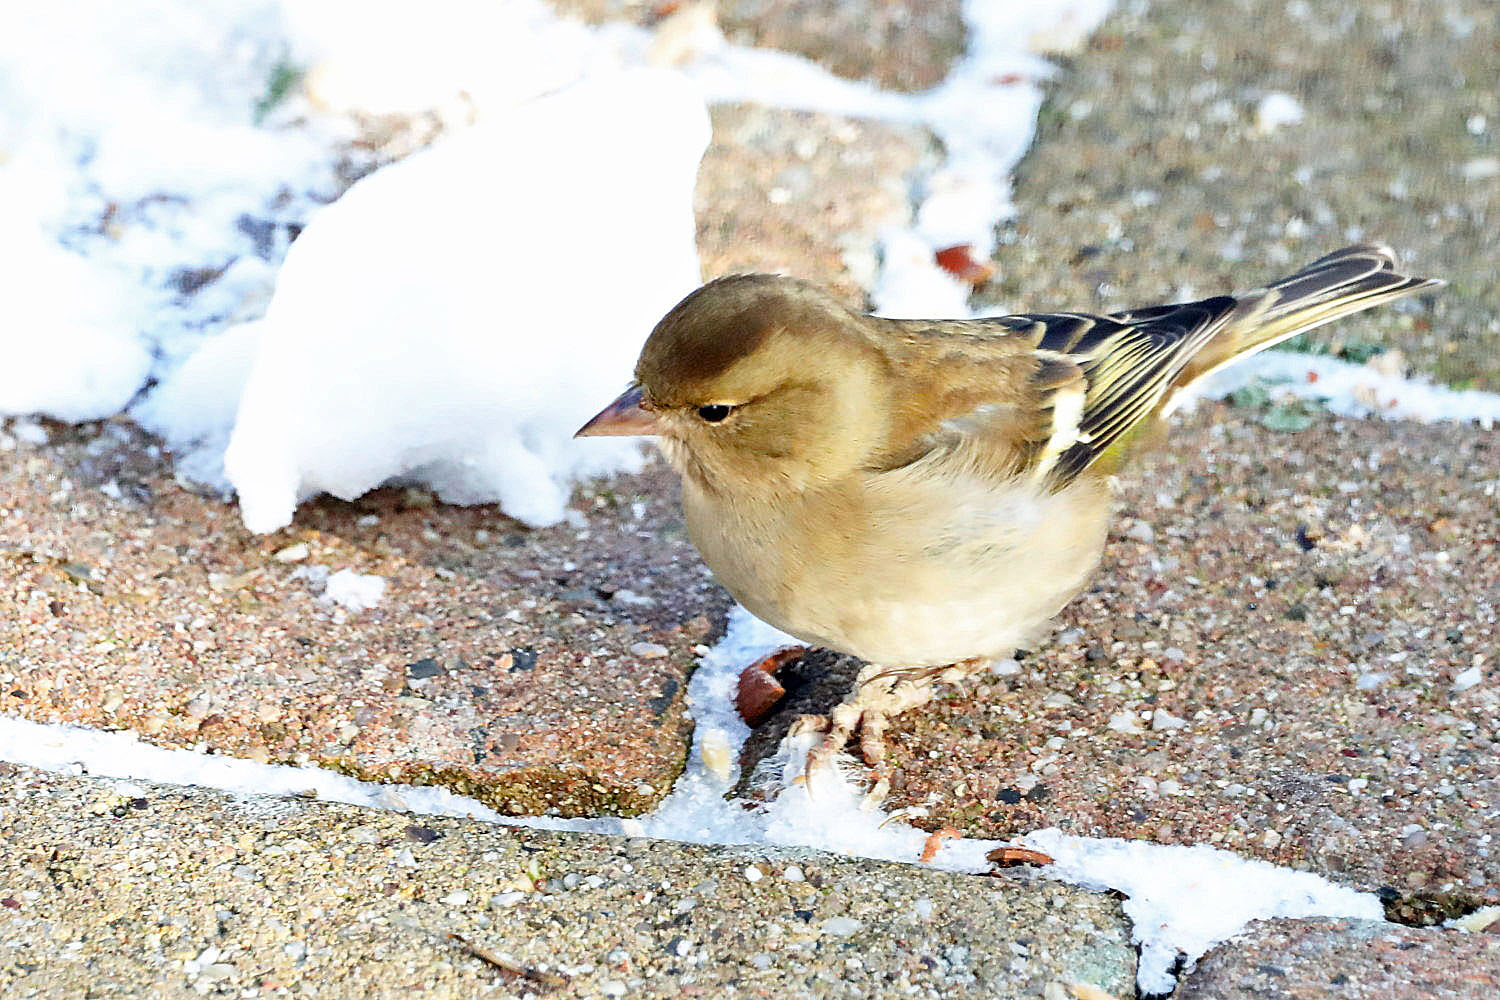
[714, 412]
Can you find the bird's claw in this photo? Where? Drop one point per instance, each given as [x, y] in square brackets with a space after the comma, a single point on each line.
[879, 694]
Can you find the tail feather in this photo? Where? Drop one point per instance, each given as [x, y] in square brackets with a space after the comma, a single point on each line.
[1346, 281]
[1136, 363]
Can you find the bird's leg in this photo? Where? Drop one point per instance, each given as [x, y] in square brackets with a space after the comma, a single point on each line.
[880, 693]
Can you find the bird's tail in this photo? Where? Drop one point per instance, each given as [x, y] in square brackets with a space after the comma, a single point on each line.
[1344, 282]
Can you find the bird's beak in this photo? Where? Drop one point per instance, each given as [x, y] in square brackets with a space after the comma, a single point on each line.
[624, 417]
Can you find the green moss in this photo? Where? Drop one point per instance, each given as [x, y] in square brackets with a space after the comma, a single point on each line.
[285, 77]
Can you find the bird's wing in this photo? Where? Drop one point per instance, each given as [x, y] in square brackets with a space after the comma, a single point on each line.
[1047, 394]
[1127, 363]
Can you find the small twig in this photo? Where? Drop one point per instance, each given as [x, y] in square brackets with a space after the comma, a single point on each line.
[505, 965]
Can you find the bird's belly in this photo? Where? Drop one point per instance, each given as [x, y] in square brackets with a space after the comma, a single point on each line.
[991, 615]
[901, 591]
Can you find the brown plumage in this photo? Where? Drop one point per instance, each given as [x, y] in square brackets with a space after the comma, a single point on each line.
[924, 494]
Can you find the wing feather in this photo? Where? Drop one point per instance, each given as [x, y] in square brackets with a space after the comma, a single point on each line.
[1051, 394]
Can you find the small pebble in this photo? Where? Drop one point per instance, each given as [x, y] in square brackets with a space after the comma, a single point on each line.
[1275, 110]
[630, 598]
[716, 754]
[1481, 169]
[1161, 720]
[1469, 678]
[841, 926]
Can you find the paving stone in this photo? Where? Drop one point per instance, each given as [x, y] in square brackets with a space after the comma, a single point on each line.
[804, 194]
[503, 662]
[1347, 960]
[1151, 179]
[1288, 652]
[896, 44]
[113, 890]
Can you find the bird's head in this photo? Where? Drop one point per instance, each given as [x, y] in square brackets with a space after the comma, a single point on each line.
[757, 382]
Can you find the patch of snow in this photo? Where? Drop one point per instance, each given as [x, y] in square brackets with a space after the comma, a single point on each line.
[457, 59]
[194, 407]
[355, 591]
[1476, 922]
[75, 750]
[426, 326]
[122, 185]
[1351, 390]
[1184, 900]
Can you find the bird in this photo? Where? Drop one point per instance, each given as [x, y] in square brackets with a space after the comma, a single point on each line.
[926, 495]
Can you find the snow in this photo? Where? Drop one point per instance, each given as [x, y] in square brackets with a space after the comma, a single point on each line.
[74, 750]
[426, 325]
[1351, 390]
[1184, 900]
[117, 179]
[457, 58]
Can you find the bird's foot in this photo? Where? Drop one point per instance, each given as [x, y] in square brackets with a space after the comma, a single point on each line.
[880, 694]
